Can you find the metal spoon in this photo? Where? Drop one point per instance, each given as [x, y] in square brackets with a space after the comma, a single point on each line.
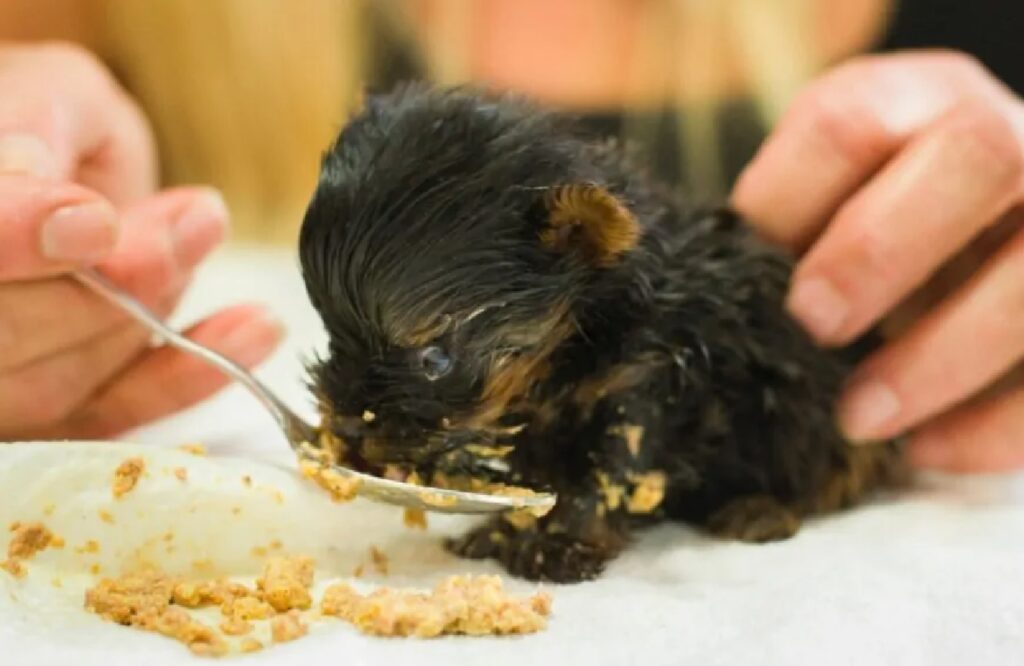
[300, 433]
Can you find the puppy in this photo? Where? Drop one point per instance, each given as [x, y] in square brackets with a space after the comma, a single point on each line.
[509, 302]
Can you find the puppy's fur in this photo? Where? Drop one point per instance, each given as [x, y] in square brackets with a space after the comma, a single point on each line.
[508, 301]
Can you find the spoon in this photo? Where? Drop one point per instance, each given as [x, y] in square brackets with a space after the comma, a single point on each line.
[302, 435]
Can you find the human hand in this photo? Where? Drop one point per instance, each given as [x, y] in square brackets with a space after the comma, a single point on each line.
[897, 180]
[77, 181]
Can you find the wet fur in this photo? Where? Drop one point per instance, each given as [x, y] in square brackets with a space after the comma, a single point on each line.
[595, 322]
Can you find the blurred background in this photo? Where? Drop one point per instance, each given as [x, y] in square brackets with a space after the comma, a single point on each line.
[245, 94]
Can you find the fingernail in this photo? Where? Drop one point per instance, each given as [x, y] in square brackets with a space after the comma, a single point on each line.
[819, 306]
[929, 451]
[867, 408]
[26, 154]
[252, 341]
[201, 227]
[84, 232]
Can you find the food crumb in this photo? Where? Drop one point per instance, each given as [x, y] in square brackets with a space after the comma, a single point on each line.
[106, 516]
[341, 489]
[415, 519]
[91, 546]
[235, 626]
[13, 567]
[285, 582]
[127, 475]
[95, 569]
[194, 449]
[247, 608]
[457, 605]
[358, 571]
[247, 481]
[275, 545]
[181, 473]
[287, 627]
[250, 645]
[648, 494]
[380, 560]
[49, 509]
[236, 510]
[259, 551]
[56, 582]
[27, 539]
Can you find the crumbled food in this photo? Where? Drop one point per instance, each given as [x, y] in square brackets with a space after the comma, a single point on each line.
[247, 608]
[95, 569]
[91, 546]
[127, 475]
[458, 605]
[247, 481]
[194, 449]
[438, 499]
[181, 473]
[359, 571]
[380, 560]
[13, 567]
[415, 519]
[49, 509]
[648, 494]
[106, 516]
[234, 626]
[287, 627]
[285, 582]
[27, 539]
[341, 488]
[250, 645]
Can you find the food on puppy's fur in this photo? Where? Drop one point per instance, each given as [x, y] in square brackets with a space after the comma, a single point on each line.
[127, 475]
[27, 539]
[474, 606]
[489, 277]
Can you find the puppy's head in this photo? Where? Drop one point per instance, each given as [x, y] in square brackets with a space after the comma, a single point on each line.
[446, 247]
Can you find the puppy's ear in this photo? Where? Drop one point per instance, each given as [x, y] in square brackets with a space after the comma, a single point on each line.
[590, 221]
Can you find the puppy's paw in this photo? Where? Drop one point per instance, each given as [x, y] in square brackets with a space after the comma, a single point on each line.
[755, 519]
[533, 555]
[554, 557]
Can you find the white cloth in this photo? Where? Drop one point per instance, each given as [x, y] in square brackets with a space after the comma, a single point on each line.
[933, 579]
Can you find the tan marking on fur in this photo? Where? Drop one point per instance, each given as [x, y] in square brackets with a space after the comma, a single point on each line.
[508, 382]
[425, 332]
[592, 390]
[632, 434]
[593, 217]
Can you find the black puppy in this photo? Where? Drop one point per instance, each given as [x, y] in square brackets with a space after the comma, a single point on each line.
[507, 301]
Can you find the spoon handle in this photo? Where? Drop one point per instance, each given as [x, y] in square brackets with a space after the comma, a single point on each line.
[292, 425]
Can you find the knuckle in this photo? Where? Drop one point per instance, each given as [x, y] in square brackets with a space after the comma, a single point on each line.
[846, 123]
[988, 136]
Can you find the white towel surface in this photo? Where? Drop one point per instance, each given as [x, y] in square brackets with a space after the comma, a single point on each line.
[935, 578]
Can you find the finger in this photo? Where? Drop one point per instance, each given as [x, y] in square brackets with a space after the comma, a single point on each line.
[47, 391]
[165, 381]
[984, 437]
[51, 228]
[845, 126]
[71, 121]
[947, 185]
[970, 340]
[165, 237]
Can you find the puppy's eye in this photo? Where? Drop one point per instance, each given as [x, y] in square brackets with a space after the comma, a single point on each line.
[434, 363]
